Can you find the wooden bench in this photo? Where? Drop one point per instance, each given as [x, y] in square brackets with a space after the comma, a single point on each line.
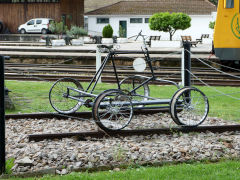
[189, 39]
[202, 36]
[152, 38]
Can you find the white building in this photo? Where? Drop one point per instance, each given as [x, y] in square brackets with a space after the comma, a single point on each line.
[134, 16]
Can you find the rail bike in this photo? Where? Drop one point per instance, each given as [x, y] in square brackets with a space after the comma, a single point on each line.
[113, 109]
[227, 33]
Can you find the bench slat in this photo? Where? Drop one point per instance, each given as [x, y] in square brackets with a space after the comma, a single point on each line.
[153, 38]
[189, 39]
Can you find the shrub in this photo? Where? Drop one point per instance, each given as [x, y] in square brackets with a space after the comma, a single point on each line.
[211, 24]
[122, 32]
[76, 32]
[58, 28]
[107, 31]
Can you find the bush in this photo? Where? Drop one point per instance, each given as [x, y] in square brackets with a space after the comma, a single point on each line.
[211, 24]
[76, 32]
[122, 32]
[58, 28]
[107, 31]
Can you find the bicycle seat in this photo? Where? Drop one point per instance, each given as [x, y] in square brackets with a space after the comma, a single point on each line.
[105, 46]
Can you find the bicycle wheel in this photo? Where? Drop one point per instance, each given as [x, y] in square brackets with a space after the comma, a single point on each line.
[112, 110]
[189, 106]
[58, 96]
[132, 82]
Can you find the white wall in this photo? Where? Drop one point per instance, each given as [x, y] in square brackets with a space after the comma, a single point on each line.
[199, 25]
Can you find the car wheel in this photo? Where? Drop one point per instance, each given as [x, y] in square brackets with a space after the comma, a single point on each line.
[22, 31]
[44, 31]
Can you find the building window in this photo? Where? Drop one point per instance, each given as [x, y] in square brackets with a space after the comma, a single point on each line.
[146, 20]
[228, 3]
[29, 1]
[102, 20]
[136, 20]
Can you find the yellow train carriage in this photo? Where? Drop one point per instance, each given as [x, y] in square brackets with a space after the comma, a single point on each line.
[227, 30]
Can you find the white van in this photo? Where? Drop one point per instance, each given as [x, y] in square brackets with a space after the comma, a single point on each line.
[38, 25]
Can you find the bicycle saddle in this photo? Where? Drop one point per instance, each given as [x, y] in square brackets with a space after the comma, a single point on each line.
[105, 46]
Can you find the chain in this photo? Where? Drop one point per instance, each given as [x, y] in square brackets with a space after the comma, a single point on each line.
[223, 94]
[221, 65]
[237, 77]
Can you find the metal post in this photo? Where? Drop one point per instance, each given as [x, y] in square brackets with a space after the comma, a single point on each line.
[182, 67]
[98, 63]
[2, 117]
[187, 64]
[47, 41]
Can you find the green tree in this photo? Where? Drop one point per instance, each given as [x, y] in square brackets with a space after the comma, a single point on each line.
[214, 1]
[170, 23]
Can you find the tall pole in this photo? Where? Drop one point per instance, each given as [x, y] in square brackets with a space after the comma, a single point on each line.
[187, 64]
[98, 63]
[2, 118]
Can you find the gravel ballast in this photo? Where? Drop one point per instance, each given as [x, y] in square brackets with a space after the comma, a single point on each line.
[69, 154]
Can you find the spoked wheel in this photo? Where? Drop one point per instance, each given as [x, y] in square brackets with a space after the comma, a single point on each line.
[131, 83]
[112, 110]
[189, 107]
[60, 96]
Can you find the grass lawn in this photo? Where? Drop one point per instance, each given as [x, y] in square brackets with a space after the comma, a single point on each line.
[33, 97]
[226, 170]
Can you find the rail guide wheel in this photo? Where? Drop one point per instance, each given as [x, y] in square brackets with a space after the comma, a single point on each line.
[112, 110]
[189, 107]
[59, 96]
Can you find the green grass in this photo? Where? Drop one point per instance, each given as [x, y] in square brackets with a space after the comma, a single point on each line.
[34, 97]
[227, 170]
[9, 165]
[30, 96]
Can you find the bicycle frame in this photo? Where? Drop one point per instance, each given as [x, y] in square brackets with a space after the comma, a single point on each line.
[111, 56]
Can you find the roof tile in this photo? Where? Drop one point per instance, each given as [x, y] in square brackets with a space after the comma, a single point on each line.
[191, 7]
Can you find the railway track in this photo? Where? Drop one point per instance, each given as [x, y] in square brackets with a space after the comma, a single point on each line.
[50, 72]
[144, 132]
[122, 133]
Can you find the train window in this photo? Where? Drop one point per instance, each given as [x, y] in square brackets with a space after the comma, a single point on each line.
[228, 3]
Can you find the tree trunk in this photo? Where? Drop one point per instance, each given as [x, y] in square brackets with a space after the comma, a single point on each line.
[170, 36]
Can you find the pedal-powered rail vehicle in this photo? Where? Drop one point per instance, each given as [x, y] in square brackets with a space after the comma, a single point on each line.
[227, 32]
[113, 109]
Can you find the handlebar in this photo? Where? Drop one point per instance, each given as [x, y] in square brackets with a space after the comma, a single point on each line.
[144, 41]
[139, 34]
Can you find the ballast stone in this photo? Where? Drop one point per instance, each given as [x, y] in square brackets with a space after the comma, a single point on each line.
[24, 162]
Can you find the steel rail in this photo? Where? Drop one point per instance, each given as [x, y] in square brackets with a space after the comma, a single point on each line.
[77, 114]
[212, 82]
[122, 133]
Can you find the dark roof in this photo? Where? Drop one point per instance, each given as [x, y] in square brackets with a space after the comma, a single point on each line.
[191, 7]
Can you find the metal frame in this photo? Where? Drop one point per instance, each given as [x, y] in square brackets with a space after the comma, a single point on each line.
[111, 56]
